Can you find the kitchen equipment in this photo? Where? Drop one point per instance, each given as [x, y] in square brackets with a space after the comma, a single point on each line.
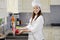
[2, 36]
[17, 22]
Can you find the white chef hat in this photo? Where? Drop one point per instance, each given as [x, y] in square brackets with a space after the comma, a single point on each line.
[36, 2]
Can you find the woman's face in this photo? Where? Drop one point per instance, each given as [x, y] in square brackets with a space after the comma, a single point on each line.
[36, 9]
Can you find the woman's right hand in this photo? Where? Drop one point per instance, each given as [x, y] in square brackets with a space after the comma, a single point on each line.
[19, 32]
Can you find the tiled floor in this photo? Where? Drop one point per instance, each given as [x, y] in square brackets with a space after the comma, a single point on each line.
[51, 33]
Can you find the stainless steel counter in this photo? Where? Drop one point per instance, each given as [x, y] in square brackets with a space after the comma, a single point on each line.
[23, 36]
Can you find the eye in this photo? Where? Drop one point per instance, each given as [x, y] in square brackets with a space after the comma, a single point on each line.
[36, 7]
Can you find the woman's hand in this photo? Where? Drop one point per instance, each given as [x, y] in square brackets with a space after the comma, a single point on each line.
[20, 32]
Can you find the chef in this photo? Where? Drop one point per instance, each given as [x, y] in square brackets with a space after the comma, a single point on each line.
[35, 26]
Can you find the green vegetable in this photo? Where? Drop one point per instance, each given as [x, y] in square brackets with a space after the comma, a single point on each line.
[18, 26]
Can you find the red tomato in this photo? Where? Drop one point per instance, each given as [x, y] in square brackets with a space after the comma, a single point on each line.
[17, 31]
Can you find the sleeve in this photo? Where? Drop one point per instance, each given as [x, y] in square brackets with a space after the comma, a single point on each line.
[38, 25]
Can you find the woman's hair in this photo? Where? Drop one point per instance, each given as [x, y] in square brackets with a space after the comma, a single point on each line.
[38, 14]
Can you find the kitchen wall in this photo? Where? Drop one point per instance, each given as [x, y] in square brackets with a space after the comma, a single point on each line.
[52, 17]
[3, 8]
[26, 16]
[55, 2]
[12, 6]
[26, 6]
[55, 13]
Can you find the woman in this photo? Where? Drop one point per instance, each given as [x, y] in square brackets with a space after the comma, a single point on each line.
[35, 25]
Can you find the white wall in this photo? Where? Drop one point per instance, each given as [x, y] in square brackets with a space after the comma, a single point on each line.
[45, 5]
[55, 2]
[3, 8]
[12, 6]
[26, 5]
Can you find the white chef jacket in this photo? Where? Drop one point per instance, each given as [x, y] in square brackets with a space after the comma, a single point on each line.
[36, 28]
